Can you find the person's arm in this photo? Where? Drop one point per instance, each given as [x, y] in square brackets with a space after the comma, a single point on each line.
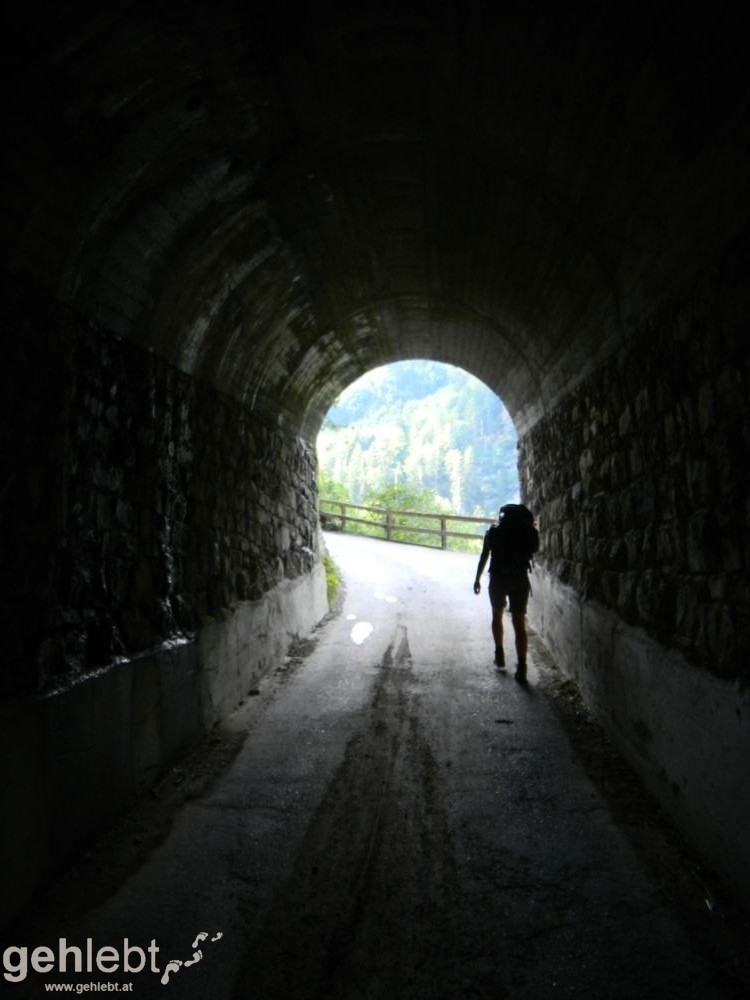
[482, 563]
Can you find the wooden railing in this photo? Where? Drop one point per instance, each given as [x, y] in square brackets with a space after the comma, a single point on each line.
[335, 516]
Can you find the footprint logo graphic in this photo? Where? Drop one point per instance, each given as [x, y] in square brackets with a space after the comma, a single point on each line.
[174, 966]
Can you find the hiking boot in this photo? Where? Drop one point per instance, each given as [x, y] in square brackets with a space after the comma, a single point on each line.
[499, 659]
[521, 672]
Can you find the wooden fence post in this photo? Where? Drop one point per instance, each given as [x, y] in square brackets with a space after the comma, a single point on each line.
[390, 526]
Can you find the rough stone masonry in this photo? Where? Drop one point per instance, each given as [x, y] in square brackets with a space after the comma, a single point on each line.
[640, 478]
[164, 522]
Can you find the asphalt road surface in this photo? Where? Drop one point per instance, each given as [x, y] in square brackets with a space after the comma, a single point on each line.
[398, 819]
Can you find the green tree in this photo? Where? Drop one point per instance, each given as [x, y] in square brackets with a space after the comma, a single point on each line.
[332, 489]
[424, 426]
[406, 526]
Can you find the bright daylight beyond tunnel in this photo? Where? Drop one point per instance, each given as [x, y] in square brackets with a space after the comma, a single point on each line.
[418, 436]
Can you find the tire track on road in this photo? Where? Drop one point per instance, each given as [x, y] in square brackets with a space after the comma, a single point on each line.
[373, 887]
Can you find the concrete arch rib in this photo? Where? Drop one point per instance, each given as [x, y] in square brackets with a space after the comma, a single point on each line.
[397, 330]
[280, 286]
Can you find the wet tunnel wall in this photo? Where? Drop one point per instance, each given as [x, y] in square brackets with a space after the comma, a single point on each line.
[640, 482]
[212, 223]
[149, 504]
[160, 553]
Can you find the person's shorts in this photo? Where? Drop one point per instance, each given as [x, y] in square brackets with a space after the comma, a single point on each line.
[514, 587]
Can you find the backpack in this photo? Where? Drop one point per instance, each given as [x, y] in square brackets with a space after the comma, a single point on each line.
[515, 539]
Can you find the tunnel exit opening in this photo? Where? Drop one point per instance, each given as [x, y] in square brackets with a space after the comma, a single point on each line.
[419, 436]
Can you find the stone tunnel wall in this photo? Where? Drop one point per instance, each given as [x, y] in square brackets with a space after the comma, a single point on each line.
[160, 553]
[640, 485]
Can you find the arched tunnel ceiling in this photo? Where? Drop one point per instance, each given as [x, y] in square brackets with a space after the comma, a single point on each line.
[277, 200]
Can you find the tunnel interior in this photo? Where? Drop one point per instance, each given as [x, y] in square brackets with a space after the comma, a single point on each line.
[218, 216]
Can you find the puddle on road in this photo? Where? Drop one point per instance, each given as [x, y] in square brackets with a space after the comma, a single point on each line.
[360, 632]
[380, 596]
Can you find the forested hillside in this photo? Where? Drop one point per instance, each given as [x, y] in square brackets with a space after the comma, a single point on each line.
[420, 432]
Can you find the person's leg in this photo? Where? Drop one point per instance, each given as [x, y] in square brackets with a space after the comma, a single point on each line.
[522, 642]
[497, 600]
[518, 600]
[497, 635]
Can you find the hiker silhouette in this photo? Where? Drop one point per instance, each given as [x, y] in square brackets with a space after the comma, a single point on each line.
[509, 545]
